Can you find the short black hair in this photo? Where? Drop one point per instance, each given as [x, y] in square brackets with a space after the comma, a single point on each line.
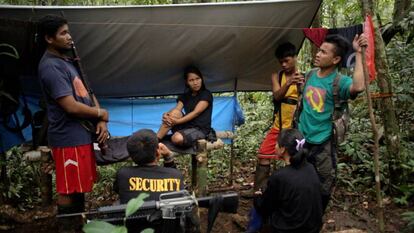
[341, 44]
[142, 146]
[285, 50]
[48, 26]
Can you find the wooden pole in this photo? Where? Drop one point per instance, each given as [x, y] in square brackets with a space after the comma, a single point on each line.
[380, 212]
[45, 178]
[201, 158]
[193, 172]
[231, 163]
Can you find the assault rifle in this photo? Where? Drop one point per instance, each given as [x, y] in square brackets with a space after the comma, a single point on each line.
[171, 206]
[87, 124]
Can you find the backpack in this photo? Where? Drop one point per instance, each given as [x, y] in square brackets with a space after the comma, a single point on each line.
[340, 115]
[9, 82]
[10, 91]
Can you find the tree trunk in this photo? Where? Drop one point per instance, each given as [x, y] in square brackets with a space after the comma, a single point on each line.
[332, 12]
[3, 177]
[388, 114]
[380, 206]
[401, 10]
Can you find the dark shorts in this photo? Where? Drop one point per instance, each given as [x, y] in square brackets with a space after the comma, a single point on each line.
[190, 135]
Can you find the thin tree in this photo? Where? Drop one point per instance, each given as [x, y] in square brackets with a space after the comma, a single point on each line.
[388, 113]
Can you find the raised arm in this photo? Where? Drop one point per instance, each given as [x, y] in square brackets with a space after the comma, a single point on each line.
[358, 84]
[279, 92]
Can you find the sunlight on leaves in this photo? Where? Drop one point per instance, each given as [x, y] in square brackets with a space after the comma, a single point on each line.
[148, 230]
[134, 204]
[120, 229]
[99, 227]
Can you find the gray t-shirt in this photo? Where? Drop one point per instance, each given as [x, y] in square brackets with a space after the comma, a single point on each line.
[58, 78]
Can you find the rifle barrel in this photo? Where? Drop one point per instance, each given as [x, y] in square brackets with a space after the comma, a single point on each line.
[229, 202]
[82, 74]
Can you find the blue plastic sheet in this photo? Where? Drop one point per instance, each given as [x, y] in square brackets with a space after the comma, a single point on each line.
[130, 115]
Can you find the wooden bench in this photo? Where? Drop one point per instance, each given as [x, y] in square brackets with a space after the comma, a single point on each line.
[199, 163]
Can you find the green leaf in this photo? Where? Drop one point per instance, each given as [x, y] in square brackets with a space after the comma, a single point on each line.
[120, 229]
[134, 204]
[148, 230]
[98, 227]
[409, 217]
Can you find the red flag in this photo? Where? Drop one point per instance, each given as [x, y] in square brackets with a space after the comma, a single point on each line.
[370, 51]
[316, 35]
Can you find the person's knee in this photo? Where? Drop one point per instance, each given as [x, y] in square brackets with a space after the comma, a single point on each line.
[176, 113]
[262, 161]
[64, 199]
[324, 165]
[177, 138]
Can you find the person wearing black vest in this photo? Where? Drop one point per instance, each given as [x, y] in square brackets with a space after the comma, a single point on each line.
[285, 85]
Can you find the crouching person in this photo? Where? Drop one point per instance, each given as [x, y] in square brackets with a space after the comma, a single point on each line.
[147, 176]
[145, 150]
[292, 200]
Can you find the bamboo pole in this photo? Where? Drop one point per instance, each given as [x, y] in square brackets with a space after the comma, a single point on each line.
[380, 212]
[201, 158]
[46, 178]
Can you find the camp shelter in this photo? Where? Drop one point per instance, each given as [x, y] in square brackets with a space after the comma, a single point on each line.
[137, 51]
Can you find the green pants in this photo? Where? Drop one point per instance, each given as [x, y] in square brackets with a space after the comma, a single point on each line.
[323, 158]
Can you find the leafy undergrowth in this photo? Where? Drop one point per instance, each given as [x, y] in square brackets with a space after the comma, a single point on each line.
[347, 210]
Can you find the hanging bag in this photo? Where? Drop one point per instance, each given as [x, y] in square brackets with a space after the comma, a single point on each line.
[340, 115]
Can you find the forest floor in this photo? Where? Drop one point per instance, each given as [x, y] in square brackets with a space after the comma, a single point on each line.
[349, 212]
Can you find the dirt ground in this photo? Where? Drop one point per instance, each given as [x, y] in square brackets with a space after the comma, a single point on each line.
[347, 212]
